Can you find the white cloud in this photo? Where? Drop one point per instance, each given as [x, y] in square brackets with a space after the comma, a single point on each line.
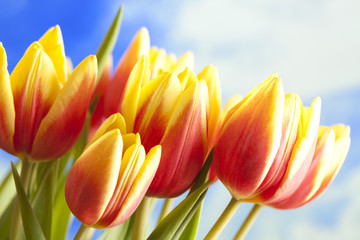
[313, 45]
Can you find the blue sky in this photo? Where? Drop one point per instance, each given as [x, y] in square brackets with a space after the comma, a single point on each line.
[313, 45]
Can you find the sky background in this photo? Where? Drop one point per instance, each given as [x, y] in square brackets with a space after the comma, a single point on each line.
[314, 45]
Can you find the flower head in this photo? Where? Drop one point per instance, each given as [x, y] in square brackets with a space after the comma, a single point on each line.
[170, 110]
[159, 96]
[110, 178]
[271, 151]
[42, 109]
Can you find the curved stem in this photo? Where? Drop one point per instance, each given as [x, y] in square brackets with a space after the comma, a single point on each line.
[248, 222]
[166, 208]
[223, 220]
[84, 232]
[141, 218]
[25, 174]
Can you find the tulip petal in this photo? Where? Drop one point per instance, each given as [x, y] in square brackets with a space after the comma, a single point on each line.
[302, 153]
[115, 121]
[7, 109]
[139, 46]
[232, 102]
[156, 104]
[63, 124]
[93, 178]
[229, 105]
[186, 131]
[341, 148]
[35, 87]
[315, 175]
[140, 185]
[210, 75]
[251, 93]
[255, 125]
[187, 78]
[170, 62]
[130, 139]
[104, 78]
[130, 166]
[53, 45]
[157, 58]
[290, 124]
[129, 104]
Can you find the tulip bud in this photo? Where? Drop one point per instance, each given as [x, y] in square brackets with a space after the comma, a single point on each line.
[171, 111]
[271, 151]
[250, 138]
[45, 111]
[110, 178]
[139, 46]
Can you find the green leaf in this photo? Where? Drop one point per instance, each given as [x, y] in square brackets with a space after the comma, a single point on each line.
[38, 173]
[43, 201]
[7, 190]
[108, 43]
[168, 227]
[5, 220]
[61, 214]
[189, 233]
[31, 225]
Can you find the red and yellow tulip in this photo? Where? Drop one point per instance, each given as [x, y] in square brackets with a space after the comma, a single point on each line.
[112, 97]
[159, 61]
[250, 138]
[139, 46]
[270, 150]
[155, 74]
[42, 110]
[170, 110]
[111, 177]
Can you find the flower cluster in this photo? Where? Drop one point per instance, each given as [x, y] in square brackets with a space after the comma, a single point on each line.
[152, 129]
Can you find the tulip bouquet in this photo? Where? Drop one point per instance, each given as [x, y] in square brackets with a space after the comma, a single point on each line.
[104, 147]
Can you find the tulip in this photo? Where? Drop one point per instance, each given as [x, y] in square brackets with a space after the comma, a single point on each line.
[42, 110]
[270, 151]
[170, 110]
[295, 153]
[331, 149]
[126, 94]
[249, 139]
[110, 178]
[139, 46]
[159, 62]
[267, 144]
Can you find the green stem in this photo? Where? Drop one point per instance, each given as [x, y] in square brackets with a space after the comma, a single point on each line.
[26, 167]
[248, 222]
[84, 232]
[223, 220]
[166, 208]
[141, 218]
